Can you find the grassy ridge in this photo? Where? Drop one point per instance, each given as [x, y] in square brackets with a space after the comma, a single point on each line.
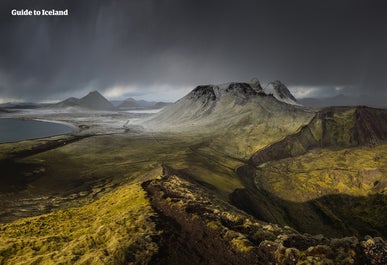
[112, 230]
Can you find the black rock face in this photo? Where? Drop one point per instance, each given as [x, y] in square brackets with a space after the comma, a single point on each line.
[206, 92]
[242, 92]
[242, 88]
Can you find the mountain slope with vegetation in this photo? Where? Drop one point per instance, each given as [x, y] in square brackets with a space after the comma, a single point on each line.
[335, 168]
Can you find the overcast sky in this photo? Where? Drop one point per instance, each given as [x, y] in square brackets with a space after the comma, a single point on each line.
[162, 49]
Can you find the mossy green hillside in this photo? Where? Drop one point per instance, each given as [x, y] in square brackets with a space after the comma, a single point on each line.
[112, 230]
[77, 173]
[333, 192]
[356, 171]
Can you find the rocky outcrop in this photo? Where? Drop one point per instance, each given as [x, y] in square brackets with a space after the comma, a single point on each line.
[199, 228]
[203, 93]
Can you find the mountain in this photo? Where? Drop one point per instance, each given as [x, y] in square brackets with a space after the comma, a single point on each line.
[222, 104]
[280, 92]
[94, 101]
[132, 103]
[240, 112]
[343, 100]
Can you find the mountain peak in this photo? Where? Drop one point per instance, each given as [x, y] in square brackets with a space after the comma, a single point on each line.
[130, 100]
[203, 92]
[93, 100]
[238, 88]
[243, 90]
[93, 93]
[256, 85]
[213, 92]
[280, 92]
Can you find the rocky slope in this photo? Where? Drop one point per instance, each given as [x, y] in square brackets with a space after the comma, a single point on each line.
[200, 228]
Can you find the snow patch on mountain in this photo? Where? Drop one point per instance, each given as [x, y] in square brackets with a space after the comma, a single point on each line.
[280, 92]
[242, 91]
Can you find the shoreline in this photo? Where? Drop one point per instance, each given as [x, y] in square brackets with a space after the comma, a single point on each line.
[74, 129]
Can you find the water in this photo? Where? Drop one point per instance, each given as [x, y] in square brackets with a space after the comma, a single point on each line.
[13, 130]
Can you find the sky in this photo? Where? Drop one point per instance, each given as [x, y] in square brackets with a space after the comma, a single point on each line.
[162, 49]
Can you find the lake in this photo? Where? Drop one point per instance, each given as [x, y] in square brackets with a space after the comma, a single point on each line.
[13, 130]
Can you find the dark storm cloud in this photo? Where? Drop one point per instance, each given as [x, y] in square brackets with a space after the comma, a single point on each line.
[167, 47]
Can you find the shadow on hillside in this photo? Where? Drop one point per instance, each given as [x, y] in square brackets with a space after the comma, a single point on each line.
[332, 215]
[12, 177]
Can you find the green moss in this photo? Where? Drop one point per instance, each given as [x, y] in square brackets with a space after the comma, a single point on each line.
[262, 235]
[287, 255]
[351, 171]
[111, 225]
[241, 244]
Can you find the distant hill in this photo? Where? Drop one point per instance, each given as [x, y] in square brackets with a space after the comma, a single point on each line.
[3, 110]
[343, 100]
[132, 103]
[21, 105]
[94, 101]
